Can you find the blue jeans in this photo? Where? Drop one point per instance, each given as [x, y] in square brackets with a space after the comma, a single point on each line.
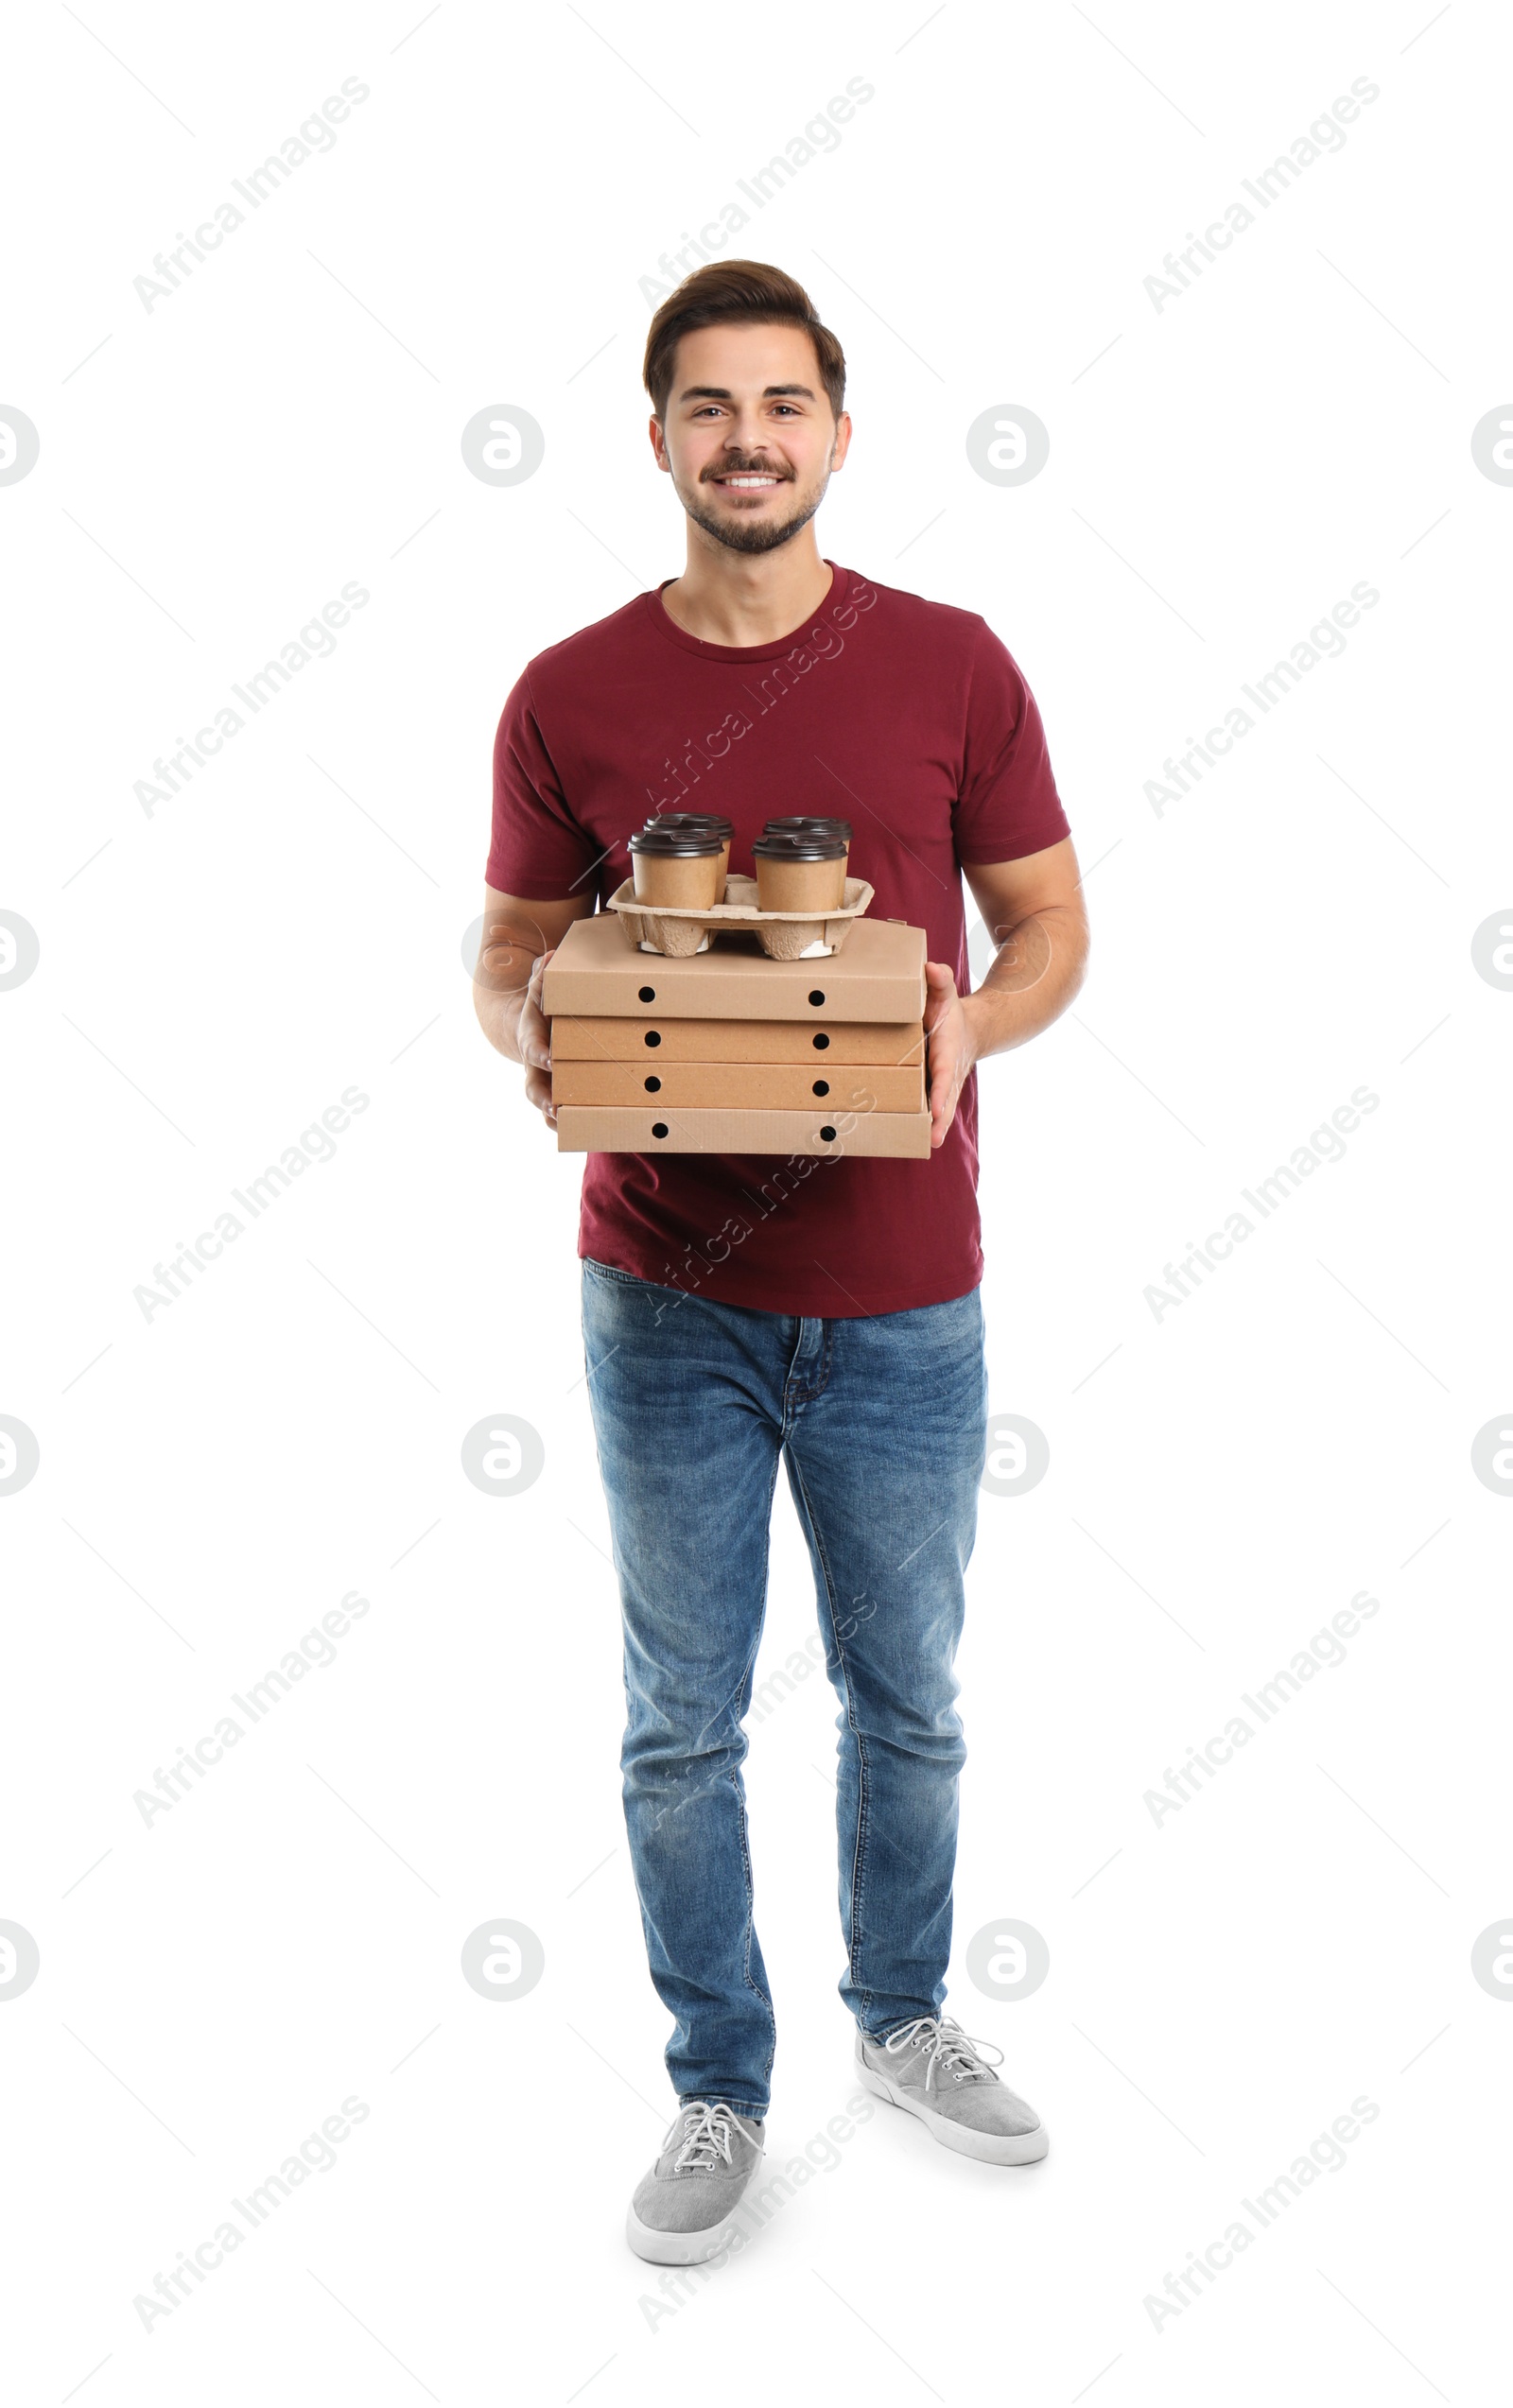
[882, 1424]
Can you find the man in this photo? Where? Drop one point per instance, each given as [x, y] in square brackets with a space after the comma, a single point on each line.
[826, 1311]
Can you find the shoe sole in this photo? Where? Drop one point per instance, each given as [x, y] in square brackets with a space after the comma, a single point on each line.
[685, 2248]
[991, 2148]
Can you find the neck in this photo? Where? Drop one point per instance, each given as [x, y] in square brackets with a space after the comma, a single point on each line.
[741, 598]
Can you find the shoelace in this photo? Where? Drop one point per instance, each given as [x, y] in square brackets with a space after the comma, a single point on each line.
[946, 2048]
[709, 2130]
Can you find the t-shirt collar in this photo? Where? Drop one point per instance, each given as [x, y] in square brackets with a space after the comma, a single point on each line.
[840, 582]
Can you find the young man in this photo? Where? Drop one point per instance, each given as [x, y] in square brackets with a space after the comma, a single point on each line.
[823, 1311]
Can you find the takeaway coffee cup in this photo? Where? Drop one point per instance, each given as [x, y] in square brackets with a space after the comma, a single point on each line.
[704, 822]
[678, 869]
[801, 822]
[801, 870]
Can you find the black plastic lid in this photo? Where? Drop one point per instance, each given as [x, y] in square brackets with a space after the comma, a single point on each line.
[678, 844]
[800, 844]
[801, 822]
[722, 827]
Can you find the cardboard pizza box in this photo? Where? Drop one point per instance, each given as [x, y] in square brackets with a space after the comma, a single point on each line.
[602, 1037]
[629, 1128]
[879, 976]
[742, 1085]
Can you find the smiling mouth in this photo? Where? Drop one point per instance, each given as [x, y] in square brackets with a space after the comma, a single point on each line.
[738, 481]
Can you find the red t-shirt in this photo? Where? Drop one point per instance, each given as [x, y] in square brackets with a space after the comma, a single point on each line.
[908, 718]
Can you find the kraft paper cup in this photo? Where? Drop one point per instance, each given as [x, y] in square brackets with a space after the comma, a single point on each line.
[674, 872]
[702, 822]
[809, 824]
[800, 872]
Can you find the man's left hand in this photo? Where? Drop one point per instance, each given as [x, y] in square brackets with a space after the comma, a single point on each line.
[951, 1049]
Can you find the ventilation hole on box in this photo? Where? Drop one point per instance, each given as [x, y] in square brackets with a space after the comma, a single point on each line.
[822, 1086]
[653, 1037]
[826, 1132]
[816, 995]
[659, 1128]
[653, 1086]
[648, 995]
[820, 1042]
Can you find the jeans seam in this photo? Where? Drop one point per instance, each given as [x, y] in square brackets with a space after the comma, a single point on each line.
[733, 1777]
[859, 1853]
[750, 1665]
[751, 1931]
[741, 1823]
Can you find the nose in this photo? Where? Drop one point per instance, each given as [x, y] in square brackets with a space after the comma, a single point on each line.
[745, 433]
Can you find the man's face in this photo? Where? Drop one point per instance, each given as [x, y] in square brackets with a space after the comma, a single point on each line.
[748, 438]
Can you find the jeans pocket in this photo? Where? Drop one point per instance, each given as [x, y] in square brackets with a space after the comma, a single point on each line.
[607, 1270]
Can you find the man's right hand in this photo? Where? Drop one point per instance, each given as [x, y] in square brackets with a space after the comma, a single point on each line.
[520, 938]
[533, 1037]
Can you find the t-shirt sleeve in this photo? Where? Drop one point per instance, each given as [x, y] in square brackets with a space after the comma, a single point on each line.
[1008, 805]
[537, 848]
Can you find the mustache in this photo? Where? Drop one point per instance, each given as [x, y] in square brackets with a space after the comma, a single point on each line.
[744, 468]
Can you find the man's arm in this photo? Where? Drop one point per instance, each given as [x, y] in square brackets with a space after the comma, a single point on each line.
[1032, 910]
[519, 937]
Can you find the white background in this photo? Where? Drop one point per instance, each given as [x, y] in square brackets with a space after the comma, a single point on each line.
[1222, 1480]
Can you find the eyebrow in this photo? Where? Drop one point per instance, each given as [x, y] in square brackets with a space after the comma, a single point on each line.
[723, 393]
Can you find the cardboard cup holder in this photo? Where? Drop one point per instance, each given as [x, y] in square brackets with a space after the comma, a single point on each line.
[784, 936]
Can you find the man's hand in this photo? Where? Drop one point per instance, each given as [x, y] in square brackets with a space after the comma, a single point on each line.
[1033, 909]
[951, 1047]
[533, 1037]
[520, 938]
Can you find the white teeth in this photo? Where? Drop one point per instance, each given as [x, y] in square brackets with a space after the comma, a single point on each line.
[743, 483]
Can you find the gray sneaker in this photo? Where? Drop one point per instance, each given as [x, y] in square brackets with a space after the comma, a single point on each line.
[933, 2069]
[684, 2210]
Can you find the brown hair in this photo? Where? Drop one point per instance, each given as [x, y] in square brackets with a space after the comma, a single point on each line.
[737, 292]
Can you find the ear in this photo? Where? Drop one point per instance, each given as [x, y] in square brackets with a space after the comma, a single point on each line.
[659, 444]
[843, 440]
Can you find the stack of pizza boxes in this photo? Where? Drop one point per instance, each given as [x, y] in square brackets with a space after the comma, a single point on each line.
[729, 1052]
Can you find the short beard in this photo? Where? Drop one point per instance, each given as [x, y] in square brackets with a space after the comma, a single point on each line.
[746, 535]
